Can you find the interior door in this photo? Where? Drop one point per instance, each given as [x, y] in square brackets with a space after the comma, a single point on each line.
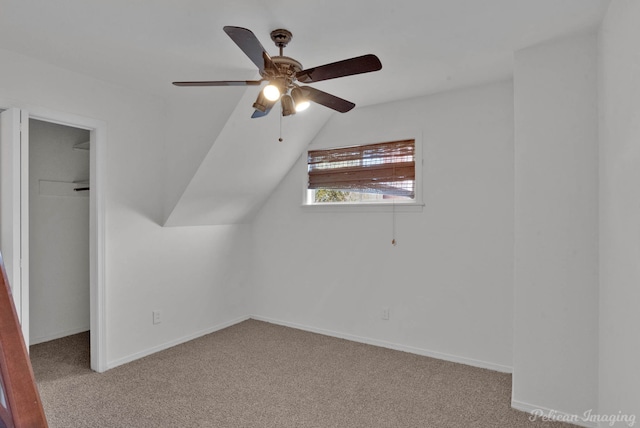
[14, 208]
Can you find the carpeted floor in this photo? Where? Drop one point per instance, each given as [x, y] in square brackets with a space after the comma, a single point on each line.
[256, 374]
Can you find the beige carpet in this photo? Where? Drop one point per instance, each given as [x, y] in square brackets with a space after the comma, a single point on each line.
[256, 374]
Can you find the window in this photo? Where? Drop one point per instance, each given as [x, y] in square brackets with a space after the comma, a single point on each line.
[379, 173]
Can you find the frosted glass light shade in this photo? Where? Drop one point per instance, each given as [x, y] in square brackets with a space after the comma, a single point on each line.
[287, 105]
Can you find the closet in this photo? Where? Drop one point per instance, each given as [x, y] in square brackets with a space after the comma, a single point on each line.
[59, 189]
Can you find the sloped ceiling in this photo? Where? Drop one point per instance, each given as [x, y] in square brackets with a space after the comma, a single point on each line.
[425, 46]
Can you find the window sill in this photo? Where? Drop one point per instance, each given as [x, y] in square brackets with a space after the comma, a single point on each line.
[363, 207]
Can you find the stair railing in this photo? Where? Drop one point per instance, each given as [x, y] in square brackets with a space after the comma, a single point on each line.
[20, 404]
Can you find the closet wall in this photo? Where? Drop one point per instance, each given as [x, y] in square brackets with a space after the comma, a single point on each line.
[59, 231]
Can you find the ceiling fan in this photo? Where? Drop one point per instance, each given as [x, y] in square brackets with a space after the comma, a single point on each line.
[285, 74]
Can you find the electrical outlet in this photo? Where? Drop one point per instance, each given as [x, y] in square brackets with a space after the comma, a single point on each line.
[385, 313]
[156, 317]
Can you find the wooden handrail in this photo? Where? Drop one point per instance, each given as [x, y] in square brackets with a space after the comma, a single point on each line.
[21, 406]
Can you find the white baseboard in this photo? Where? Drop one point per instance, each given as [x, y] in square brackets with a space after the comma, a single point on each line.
[59, 335]
[543, 413]
[351, 337]
[390, 345]
[167, 345]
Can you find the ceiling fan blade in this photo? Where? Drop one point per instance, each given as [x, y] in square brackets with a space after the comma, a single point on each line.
[258, 113]
[327, 100]
[347, 67]
[221, 83]
[251, 46]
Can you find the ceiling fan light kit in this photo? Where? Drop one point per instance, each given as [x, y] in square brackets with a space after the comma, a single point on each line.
[272, 92]
[288, 107]
[299, 99]
[284, 74]
[262, 103]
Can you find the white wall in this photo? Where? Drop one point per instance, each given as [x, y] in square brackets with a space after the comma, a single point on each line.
[620, 210]
[59, 233]
[195, 276]
[555, 359]
[192, 110]
[448, 283]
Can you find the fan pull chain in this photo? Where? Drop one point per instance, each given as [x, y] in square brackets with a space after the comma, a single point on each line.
[280, 139]
[393, 225]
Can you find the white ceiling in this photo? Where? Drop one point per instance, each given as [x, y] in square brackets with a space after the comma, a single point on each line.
[435, 45]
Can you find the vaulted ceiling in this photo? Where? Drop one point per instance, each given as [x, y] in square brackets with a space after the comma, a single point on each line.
[425, 46]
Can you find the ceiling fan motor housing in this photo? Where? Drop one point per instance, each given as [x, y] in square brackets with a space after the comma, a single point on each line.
[286, 68]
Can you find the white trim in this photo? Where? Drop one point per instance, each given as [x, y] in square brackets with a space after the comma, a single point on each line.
[98, 171]
[97, 226]
[363, 207]
[24, 225]
[59, 335]
[171, 344]
[390, 345]
[544, 412]
[11, 208]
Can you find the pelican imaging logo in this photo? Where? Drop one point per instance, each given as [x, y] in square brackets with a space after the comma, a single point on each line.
[588, 416]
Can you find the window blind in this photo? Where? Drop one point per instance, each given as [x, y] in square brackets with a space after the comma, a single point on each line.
[387, 168]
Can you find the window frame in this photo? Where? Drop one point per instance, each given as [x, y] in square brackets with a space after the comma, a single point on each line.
[392, 204]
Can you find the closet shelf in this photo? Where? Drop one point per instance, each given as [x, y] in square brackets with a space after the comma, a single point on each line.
[63, 188]
[82, 146]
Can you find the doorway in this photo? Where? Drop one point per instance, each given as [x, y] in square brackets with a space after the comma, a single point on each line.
[59, 171]
[14, 171]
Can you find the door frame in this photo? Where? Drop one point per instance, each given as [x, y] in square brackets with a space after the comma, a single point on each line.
[97, 224]
[13, 153]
